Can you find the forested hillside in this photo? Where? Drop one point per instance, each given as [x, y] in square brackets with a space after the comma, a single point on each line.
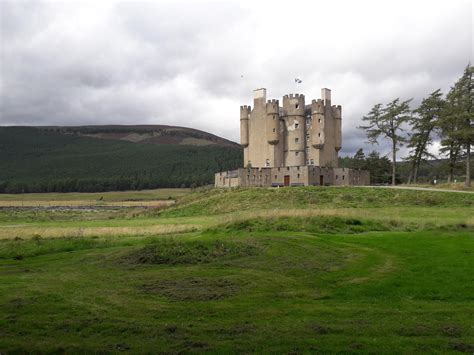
[41, 160]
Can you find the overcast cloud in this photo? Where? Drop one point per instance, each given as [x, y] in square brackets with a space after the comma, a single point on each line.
[181, 63]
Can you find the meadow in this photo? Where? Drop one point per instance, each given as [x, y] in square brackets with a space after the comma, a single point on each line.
[292, 270]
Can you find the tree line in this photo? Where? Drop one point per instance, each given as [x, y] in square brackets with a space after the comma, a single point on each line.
[36, 160]
[447, 117]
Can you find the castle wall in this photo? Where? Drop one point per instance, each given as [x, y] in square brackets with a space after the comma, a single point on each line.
[351, 177]
[292, 176]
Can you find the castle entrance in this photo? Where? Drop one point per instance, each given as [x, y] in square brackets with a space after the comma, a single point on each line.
[321, 180]
[287, 180]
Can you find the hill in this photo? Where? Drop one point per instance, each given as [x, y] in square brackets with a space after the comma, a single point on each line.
[63, 159]
[144, 134]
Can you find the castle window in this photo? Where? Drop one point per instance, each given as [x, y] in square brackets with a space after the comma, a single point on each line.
[343, 176]
[307, 161]
[312, 162]
[275, 176]
[337, 177]
[297, 168]
[278, 169]
[297, 153]
[267, 162]
[274, 130]
[288, 168]
[297, 140]
[297, 125]
[298, 176]
[296, 106]
[319, 120]
[274, 116]
[319, 134]
[307, 138]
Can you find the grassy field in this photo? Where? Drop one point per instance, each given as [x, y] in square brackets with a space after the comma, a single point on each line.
[116, 198]
[292, 270]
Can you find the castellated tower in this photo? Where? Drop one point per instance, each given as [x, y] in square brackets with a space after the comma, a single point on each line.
[291, 145]
[293, 135]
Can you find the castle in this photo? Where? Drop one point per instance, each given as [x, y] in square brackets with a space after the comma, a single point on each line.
[296, 144]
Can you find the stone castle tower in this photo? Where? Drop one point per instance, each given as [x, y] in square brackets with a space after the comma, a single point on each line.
[293, 135]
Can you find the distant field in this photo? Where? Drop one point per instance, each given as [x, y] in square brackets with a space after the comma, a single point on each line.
[120, 198]
[290, 270]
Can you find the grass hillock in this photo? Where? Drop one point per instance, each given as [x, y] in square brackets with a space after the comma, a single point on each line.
[176, 252]
[221, 201]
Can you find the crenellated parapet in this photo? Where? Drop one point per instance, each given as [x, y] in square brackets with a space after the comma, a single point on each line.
[293, 105]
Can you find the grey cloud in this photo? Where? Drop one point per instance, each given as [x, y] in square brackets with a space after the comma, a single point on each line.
[193, 63]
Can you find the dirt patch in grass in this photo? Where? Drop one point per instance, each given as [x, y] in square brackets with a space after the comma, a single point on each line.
[416, 331]
[462, 347]
[193, 289]
[451, 330]
[173, 252]
[320, 329]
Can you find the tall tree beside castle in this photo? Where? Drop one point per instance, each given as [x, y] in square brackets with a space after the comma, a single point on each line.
[387, 122]
[423, 123]
[457, 123]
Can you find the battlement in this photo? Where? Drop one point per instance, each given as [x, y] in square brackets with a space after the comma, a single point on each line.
[336, 111]
[293, 96]
[317, 106]
[273, 107]
[245, 112]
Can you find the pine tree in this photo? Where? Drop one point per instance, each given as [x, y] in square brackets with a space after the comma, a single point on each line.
[359, 159]
[387, 122]
[458, 121]
[423, 123]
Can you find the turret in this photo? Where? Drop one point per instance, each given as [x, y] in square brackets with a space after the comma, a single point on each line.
[337, 116]
[273, 121]
[293, 110]
[317, 123]
[244, 125]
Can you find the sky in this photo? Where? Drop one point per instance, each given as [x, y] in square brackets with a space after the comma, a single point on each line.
[193, 63]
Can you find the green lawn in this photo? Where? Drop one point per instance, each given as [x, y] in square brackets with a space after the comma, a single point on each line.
[266, 271]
